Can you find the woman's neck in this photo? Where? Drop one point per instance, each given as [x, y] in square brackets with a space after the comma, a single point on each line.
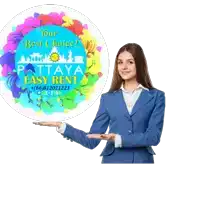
[130, 85]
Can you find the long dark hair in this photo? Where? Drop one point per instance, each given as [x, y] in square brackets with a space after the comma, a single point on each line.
[142, 75]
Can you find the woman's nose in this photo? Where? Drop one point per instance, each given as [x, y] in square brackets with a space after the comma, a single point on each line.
[124, 66]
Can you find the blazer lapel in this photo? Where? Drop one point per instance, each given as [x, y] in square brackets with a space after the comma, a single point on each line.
[143, 99]
[121, 102]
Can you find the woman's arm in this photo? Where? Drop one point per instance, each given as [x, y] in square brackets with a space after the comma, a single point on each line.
[99, 125]
[151, 137]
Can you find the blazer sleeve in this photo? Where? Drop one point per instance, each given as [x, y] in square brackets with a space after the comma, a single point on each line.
[99, 125]
[152, 135]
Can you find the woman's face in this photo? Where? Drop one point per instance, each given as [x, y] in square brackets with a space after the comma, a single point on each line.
[126, 65]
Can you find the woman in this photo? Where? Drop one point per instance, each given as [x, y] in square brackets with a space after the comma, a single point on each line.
[133, 109]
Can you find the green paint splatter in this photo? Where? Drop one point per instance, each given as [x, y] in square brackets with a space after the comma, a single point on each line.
[92, 79]
[69, 104]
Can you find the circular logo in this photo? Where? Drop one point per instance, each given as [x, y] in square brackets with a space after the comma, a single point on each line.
[53, 63]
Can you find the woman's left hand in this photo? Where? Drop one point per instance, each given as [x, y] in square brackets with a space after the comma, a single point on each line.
[110, 136]
[52, 124]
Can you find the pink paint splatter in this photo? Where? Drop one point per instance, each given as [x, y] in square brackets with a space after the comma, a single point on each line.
[99, 48]
[85, 26]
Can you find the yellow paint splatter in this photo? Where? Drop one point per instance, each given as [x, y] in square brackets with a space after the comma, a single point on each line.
[89, 92]
[39, 112]
[67, 21]
[84, 81]
[93, 63]
[66, 111]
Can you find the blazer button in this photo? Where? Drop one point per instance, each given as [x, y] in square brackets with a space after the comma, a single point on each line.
[129, 131]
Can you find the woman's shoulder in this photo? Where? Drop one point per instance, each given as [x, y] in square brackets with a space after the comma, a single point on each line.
[153, 91]
[108, 95]
[156, 90]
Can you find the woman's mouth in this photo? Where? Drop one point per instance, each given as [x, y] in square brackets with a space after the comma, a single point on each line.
[125, 72]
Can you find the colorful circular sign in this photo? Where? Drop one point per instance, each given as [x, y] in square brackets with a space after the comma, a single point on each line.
[53, 63]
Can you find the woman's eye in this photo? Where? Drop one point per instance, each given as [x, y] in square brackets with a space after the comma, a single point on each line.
[131, 62]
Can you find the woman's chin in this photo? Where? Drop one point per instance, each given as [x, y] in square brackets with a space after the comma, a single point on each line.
[127, 78]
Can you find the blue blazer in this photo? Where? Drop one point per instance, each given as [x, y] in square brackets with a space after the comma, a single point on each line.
[139, 130]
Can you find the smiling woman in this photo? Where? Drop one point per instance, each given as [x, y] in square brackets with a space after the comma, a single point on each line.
[130, 67]
[138, 122]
